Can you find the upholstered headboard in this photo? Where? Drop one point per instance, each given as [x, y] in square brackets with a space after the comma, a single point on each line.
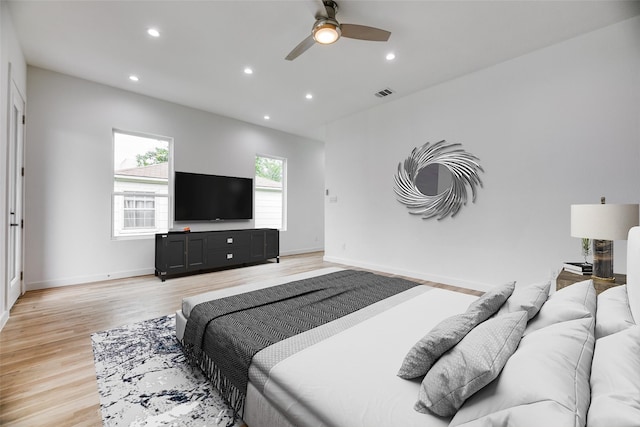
[633, 273]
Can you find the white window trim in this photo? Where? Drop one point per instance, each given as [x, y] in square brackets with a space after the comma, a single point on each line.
[144, 197]
[285, 189]
[141, 234]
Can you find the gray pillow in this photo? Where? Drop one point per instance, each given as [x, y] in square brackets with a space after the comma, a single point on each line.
[472, 364]
[492, 300]
[528, 298]
[450, 331]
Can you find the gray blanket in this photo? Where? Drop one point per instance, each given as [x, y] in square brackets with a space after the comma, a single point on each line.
[222, 336]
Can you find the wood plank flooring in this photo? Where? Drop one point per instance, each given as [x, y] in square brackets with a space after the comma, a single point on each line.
[47, 375]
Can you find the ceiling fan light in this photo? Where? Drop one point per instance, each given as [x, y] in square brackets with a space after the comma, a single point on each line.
[326, 33]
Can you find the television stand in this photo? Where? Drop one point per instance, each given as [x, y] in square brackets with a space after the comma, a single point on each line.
[179, 253]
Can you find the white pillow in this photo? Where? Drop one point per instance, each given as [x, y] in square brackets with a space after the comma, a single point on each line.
[544, 383]
[614, 314]
[573, 302]
[615, 381]
[633, 273]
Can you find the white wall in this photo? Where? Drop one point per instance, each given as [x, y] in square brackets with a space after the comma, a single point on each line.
[11, 58]
[556, 127]
[69, 175]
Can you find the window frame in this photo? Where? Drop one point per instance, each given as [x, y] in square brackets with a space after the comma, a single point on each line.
[141, 233]
[283, 207]
[136, 197]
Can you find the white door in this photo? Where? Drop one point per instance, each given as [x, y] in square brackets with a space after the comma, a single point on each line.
[15, 184]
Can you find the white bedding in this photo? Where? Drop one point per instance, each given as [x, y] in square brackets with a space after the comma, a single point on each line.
[376, 348]
[333, 376]
[294, 394]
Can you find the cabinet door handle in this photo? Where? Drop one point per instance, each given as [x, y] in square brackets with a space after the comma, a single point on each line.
[13, 225]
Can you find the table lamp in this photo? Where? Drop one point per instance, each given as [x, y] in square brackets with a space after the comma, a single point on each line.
[603, 224]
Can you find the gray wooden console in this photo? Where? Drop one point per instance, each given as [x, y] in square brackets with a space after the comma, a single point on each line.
[192, 252]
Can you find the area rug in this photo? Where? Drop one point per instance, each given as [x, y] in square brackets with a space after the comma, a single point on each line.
[145, 380]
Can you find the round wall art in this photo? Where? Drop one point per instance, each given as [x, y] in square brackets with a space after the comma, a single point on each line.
[433, 180]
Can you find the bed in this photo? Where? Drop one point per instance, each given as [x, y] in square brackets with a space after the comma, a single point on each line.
[566, 359]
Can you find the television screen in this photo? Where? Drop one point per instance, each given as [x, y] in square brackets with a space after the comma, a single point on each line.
[200, 197]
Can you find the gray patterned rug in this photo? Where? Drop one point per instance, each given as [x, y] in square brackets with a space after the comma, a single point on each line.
[144, 379]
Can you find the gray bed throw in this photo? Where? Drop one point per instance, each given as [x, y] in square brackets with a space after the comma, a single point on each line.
[222, 336]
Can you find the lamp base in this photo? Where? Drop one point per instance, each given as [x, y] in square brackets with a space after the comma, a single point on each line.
[603, 260]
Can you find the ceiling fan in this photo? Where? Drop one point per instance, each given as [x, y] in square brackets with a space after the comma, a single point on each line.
[327, 30]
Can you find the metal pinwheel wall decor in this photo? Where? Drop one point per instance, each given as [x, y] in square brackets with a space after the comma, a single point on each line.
[464, 169]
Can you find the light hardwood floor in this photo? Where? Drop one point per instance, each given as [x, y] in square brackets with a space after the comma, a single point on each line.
[47, 375]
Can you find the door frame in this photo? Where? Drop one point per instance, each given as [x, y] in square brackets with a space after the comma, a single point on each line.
[15, 132]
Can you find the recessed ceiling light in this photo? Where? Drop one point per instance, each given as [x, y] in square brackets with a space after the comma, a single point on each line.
[390, 56]
[248, 70]
[266, 117]
[134, 78]
[309, 96]
[153, 32]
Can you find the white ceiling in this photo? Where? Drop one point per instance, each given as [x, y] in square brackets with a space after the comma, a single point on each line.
[205, 45]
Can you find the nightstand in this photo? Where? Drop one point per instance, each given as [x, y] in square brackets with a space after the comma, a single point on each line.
[566, 278]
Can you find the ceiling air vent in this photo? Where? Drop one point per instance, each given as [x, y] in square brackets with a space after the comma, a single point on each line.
[383, 93]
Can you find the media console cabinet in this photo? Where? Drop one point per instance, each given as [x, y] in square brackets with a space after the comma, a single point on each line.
[192, 252]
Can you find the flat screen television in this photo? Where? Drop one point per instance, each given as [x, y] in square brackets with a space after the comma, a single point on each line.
[200, 197]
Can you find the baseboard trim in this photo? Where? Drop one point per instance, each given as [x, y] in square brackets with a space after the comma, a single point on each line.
[4, 318]
[445, 280]
[69, 281]
[87, 279]
[302, 251]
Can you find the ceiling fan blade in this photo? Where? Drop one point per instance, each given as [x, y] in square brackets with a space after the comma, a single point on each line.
[362, 32]
[301, 48]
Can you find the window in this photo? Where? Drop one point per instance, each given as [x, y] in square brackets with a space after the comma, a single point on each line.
[141, 170]
[139, 211]
[270, 193]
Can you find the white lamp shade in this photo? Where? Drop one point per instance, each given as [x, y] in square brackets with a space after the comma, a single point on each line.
[603, 221]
